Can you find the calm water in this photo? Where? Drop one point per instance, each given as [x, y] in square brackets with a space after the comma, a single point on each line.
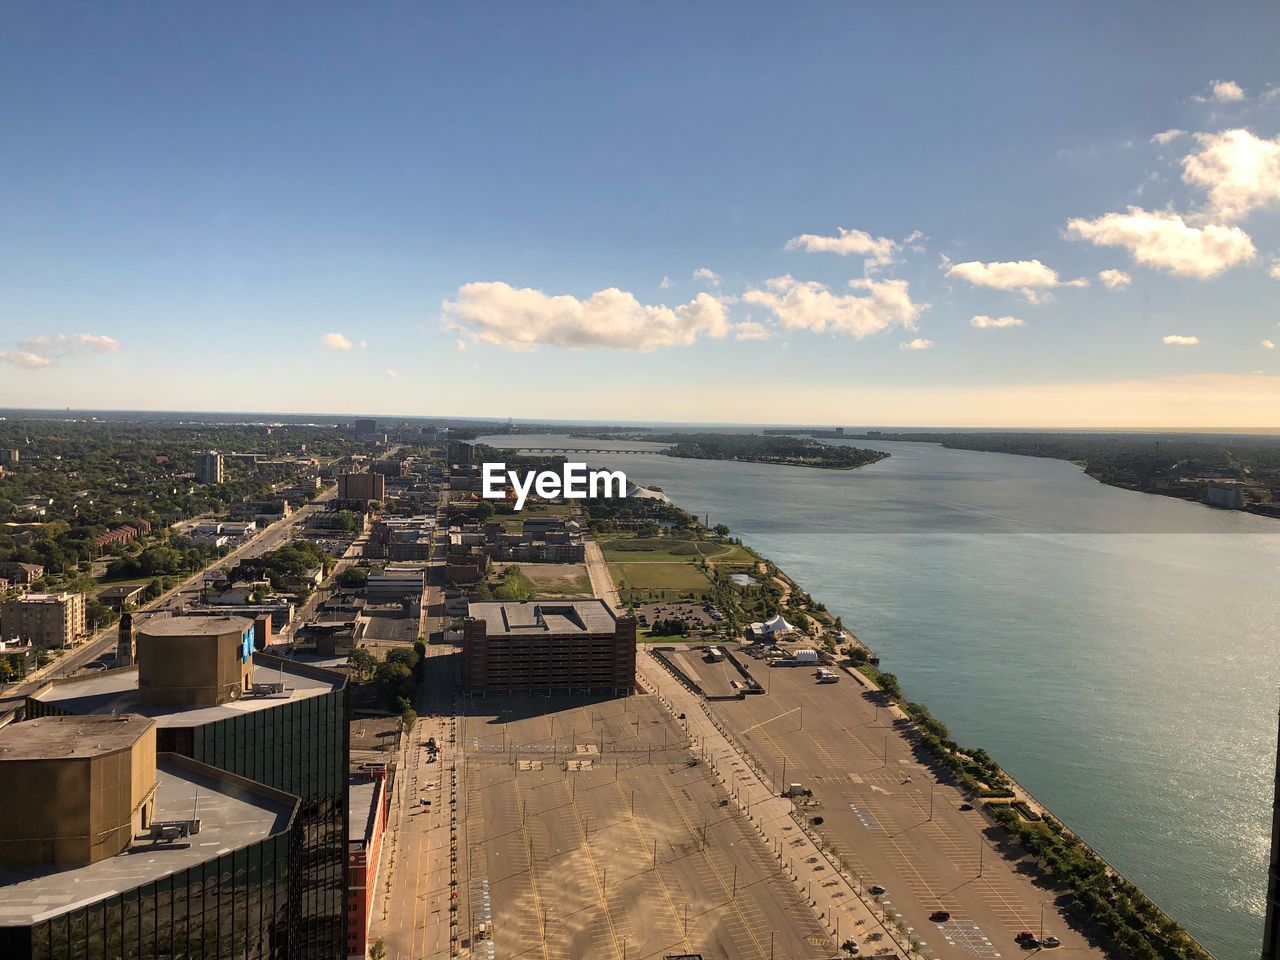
[1117, 652]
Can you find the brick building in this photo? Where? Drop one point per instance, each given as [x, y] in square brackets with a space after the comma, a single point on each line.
[369, 803]
[43, 619]
[540, 646]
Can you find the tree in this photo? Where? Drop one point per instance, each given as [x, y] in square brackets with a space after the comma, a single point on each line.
[720, 530]
[484, 510]
[377, 951]
[362, 664]
[353, 577]
[420, 648]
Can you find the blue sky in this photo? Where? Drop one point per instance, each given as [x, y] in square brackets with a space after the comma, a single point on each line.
[193, 199]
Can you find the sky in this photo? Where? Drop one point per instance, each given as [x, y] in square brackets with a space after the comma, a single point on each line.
[997, 214]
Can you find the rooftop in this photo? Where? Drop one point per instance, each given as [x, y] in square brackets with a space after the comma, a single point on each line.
[233, 813]
[50, 738]
[362, 797]
[117, 691]
[194, 626]
[544, 616]
[44, 597]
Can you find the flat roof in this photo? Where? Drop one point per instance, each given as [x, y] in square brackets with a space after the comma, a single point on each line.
[194, 626]
[362, 798]
[117, 691]
[543, 616]
[233, 814]
[50, 738]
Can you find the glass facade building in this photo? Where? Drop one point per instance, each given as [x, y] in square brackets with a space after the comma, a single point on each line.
[297, 746]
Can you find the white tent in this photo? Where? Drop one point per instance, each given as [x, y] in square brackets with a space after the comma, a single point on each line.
[776, 626]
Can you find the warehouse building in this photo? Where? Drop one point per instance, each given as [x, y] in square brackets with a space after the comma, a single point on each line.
[547, 646]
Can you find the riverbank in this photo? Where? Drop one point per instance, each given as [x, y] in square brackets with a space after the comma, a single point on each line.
[1114, 907]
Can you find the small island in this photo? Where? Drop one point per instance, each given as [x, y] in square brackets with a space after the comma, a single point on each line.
[754, 448]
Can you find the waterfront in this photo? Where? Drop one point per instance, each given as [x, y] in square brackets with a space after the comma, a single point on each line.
[1114, 651]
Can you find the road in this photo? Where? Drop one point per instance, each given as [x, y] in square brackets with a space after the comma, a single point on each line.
[266, 540]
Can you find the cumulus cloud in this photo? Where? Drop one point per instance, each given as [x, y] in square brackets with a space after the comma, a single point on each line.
[1114, 279]
[983, 322]
[665, 284]
[1161, 239]
[392, 375]
[1166, 137]
[1239, 171]
[1031, 277]
[335, 341]
[708, 276]
[25, 359]
[524, 318]
[1175, 340]
[809, 305]
[1274, 272]
[919, 343]
[750, 330]
[1268, 345]
[878, 251]
[1222, 91]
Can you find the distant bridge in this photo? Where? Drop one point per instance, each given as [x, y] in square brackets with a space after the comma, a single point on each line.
[579, 450]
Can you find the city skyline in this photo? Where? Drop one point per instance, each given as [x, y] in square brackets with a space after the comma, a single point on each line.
[994, 218]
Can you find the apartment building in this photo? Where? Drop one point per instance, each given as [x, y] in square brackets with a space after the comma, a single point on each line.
[43, 619]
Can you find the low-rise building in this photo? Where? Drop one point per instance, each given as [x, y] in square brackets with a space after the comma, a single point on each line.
[43, 619]
[544, 646]
[368, 805]
[21, 574]
[394, 584]
[122, 595]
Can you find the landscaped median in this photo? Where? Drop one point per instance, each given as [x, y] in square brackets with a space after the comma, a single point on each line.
[1112, 905]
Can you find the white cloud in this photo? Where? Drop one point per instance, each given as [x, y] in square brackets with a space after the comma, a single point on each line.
[524, 318]
[878, 251]
[1161, 239]
[983, 322]
[1166, 137]
[1028, 276]
[808, 305]
[462, 345]
[64, 343]
[1268, 345]
[1274, 272]
[1174, 340]
[919, 343]
[665, 284]
[392, 375]
[1226, 91]
[26, 360]
[707, 275]
[1114, 279]
[750, 330]
[1240, 172]
[335, 341]
[364, 344]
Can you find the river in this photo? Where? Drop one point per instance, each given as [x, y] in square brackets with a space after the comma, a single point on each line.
[1115, 651]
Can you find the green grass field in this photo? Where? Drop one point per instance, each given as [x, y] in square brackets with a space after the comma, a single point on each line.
[639, 582]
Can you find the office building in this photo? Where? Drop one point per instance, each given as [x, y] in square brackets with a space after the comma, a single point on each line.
[362, 486]
[270, 724]
[209, 467]
[43, 619]
[547, 646]
[370, 803]
[112, 850]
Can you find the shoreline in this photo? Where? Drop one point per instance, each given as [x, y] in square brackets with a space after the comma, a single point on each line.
[945, 754]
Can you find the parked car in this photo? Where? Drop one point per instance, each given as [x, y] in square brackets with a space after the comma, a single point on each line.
[1050, 942]
[1031, 943]
[940, 916]
[966, 806]
[1024, 935]
[876, 890]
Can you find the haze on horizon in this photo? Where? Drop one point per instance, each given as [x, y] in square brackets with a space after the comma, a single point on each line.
[991, 216]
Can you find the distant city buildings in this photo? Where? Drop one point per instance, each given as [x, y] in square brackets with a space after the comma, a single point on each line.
[209, 468]
[362, 486]
[43, 619]
[547, 646]
[9, 457]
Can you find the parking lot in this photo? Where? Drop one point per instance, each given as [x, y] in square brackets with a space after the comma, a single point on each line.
[889, 821]
[716, 678]
[591, 836]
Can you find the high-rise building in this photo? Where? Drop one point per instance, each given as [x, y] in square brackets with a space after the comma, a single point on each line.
[110, 849]
[366, 430]
[209, 467]
[43, 619]
[278, 724]
[362, 486]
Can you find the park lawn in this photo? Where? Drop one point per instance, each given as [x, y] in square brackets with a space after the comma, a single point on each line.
[662, 550]
[638, 582]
